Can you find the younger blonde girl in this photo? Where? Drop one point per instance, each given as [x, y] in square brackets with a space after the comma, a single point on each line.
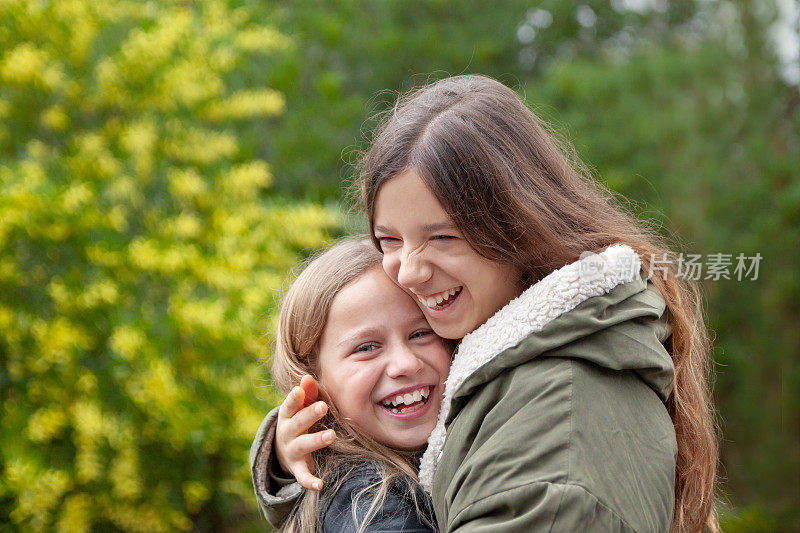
[380, 369]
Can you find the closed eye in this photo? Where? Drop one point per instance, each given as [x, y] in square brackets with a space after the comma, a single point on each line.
[387, 241]
[421, 333]
[443, 237]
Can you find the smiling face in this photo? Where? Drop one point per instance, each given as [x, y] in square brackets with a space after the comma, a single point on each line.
[423, 252]
[381, 364]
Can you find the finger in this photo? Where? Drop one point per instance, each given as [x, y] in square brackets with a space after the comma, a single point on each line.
[307, 480]
[307, 417]
[309, 386]
[303, 445]
[293, 403]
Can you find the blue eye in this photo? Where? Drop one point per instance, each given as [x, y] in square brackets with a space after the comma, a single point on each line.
[421, 333]
[366, 348]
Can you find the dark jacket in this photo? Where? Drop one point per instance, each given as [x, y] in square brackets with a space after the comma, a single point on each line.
[397, 513]
[277, 493]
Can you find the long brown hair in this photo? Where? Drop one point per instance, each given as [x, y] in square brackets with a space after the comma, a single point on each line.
[304, 313]
[522, 197]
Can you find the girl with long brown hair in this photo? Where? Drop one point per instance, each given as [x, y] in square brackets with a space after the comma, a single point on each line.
[578, 398]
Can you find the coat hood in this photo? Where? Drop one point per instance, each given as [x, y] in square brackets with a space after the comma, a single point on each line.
[574, 312]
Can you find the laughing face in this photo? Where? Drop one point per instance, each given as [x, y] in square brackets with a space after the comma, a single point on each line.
[424, 253]
[381, 364]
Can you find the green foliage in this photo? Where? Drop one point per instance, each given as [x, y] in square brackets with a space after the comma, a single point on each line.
[139, 256]
[349, 60]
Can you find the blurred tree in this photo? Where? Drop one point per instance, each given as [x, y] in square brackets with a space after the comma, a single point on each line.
[351, 57]
[138, 256]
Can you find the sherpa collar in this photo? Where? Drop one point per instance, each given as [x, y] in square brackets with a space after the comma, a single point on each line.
[557, 293]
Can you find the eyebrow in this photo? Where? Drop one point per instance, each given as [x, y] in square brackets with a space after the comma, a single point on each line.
[359, 334]
[428, 228]
[408, 321]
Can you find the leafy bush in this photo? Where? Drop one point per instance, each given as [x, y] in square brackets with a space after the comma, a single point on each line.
[139, 257]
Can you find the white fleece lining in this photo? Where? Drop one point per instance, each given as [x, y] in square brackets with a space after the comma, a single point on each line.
[557, 293]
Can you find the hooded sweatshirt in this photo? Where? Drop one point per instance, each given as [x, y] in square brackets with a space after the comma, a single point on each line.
[554, 415]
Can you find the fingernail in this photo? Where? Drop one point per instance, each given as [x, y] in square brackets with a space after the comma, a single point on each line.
[320, 409]
[328, 436]
[315, 485]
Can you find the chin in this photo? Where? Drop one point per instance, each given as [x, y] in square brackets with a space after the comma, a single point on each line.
[453, 332]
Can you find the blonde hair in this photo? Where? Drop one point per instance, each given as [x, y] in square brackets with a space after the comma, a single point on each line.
[522, 198]
[304, 313]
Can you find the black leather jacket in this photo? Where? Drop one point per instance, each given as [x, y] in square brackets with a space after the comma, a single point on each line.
[397, 514]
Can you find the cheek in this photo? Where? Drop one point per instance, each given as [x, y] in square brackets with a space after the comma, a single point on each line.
[355, 388]
[439, 358]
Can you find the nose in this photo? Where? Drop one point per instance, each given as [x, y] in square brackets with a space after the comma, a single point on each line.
[413, 270]
[403, 362]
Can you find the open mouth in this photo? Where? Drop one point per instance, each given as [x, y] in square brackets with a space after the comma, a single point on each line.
[441, 300]
[407, 402]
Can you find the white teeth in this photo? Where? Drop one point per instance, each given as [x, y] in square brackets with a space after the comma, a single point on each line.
[438, 299]
[408, 398]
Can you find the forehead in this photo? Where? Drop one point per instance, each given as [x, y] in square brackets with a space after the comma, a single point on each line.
[406, 198]
[371, 299]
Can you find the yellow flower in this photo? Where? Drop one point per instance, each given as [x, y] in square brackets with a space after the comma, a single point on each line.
[55, 118]
[102, 292]
[75, 197]
[186, 184]
[124, 474]
[246, 104]
[139, 139]
[127, 341]
[23, 64]
[87, 419]
[195, 494]
[261, 39]
[244, 181]
[191, 82]
[46, 423]
[57, 341]
[184, 225]
[76, 514]
[201, 146]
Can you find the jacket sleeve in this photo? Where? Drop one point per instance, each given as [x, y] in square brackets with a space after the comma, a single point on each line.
[539, 506]
[276, 491]
[398, 514]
